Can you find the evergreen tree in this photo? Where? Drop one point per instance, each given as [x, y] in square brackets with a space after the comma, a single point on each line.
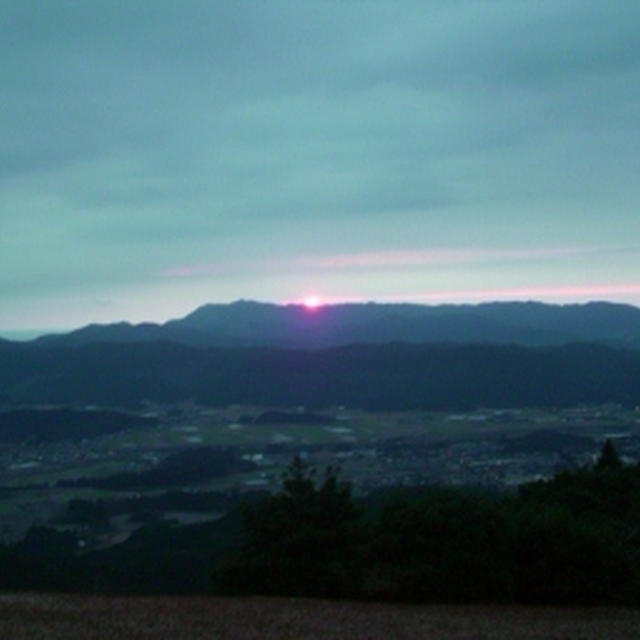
[442, 545]
[609, 458]
[304, 541]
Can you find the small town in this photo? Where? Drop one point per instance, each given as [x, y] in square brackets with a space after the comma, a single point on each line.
[490, 449]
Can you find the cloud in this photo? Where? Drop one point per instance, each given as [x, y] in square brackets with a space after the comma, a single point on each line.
[140, 136]
[191, 271]
[395, 259]
[435, 257]
[563, 293]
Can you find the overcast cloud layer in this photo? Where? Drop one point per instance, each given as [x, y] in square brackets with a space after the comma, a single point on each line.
[158, 155]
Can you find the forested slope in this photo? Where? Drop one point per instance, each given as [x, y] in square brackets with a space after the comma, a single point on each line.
[394, 376]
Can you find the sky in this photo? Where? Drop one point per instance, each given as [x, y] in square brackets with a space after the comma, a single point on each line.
[157, 155]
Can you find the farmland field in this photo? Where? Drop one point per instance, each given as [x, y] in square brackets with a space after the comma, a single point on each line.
[40, 476]
[67, 617]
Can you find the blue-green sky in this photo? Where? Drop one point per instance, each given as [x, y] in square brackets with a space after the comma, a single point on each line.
[156, 155]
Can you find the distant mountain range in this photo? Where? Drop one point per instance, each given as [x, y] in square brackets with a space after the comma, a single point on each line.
[249, 324]
[373, 356]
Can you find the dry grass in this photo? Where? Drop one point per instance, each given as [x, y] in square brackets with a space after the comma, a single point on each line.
[64, 617]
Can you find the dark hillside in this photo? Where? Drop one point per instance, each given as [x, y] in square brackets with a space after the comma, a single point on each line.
[53, 425]
[392, 376]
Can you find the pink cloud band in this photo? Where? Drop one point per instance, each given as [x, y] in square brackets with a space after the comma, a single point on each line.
[383, 259]
[528, 293]
[388, 259]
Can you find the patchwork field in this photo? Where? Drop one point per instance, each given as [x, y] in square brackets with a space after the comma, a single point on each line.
[497, 448]
[49, 617]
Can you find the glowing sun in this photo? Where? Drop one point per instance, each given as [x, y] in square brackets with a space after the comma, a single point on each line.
[312, 302]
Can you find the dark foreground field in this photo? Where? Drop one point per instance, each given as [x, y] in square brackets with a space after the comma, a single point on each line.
[66, 617]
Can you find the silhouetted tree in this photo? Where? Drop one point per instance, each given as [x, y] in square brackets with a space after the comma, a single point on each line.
[609, 458]
[562, 559]
[442, 545]
[304, 541]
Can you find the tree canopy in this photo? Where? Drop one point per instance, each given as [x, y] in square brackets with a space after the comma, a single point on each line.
[306, 540]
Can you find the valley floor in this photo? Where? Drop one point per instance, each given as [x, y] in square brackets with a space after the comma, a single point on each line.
[68, 617]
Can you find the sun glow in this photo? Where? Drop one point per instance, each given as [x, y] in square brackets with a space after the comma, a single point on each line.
[312, 302]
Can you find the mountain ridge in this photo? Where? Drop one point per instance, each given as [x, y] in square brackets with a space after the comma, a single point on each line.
[248, 323]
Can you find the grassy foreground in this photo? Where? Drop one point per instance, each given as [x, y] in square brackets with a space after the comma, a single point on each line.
[67, 617]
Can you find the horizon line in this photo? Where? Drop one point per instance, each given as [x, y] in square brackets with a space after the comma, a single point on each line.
[28, 334]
